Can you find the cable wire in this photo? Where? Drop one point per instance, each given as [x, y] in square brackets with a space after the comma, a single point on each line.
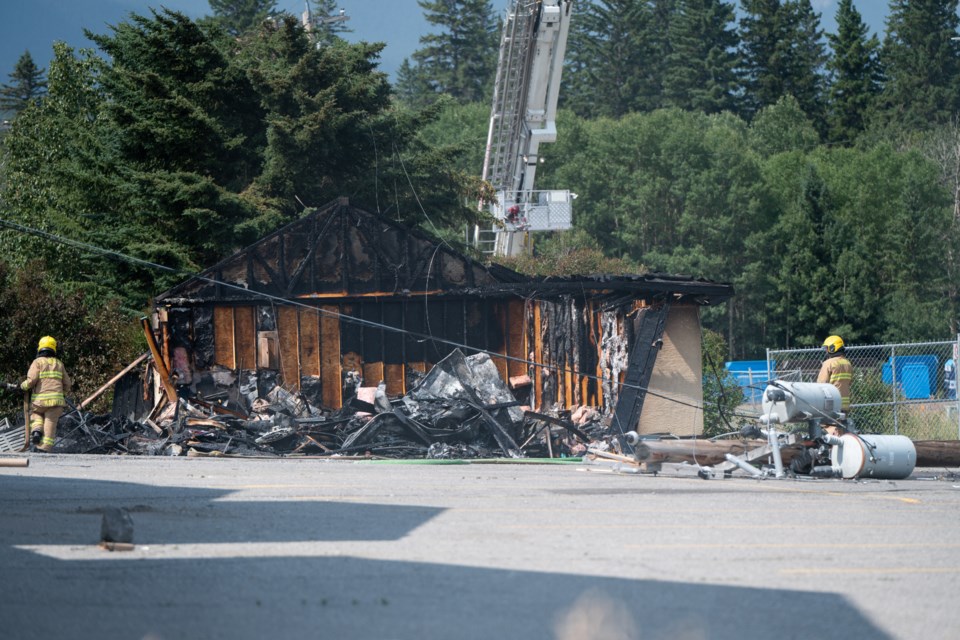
[77, 244]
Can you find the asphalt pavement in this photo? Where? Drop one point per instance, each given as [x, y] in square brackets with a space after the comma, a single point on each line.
[317, 548]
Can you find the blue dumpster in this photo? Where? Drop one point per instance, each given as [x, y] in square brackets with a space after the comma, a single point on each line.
[915, 381]
[752, 376]
[916, 375]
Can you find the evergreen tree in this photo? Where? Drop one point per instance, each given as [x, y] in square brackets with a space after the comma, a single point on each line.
[177, 145]
[656, 32]
[806, 81]
[700, 71]
[26, 85]
[328, 23]
[460, 59]
[761, 43]
[921, 62]
[855, 74]
[782, 53]
[240, 16]
[414, 87]
[610, 56]
[185, 109]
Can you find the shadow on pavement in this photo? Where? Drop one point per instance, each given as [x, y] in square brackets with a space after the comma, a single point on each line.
[176, 515]
[341, 596]
[358, 598]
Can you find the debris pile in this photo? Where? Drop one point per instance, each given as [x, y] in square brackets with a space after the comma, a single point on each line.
[460, 409]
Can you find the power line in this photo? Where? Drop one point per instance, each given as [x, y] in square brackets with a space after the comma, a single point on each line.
[52, 237]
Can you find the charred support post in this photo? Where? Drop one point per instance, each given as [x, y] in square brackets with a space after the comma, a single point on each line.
[96, 394]
[162, 370]
[646, 345]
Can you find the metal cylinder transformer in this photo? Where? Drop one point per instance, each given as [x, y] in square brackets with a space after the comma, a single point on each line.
[800, 401]
[868, 456]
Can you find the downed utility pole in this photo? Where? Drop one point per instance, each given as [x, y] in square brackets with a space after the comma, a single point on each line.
[702, 452]
[158, 360]
[96, 394]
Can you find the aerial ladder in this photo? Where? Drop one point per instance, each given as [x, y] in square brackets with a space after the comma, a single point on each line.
[523, 116]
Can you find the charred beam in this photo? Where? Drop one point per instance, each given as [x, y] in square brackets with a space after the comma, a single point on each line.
[646, 345]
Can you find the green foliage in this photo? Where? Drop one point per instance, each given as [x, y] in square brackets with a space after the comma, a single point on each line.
[182, 145]
[812, 238]
[25, 87]
[459, 60]
[856, 75]
[60, 172]
[721, 393]
[463, 127]
[782, 127]
[612, 54]
[569, 253]
[237, 17]
[94, 341]
[700, 73]
[783, 54]
[846, 248]
[922, 63]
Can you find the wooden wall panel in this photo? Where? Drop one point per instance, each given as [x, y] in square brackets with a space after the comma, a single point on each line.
[393, 375]
[330, 373]
[516, 343]
[595, 399]
[224, 353]
[309, 342]
[289, 338]
[537, 356]
[570, 357]
[246, 335]
[373, 373]
[499, 319]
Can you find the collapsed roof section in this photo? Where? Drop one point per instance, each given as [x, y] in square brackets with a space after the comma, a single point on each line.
[649, 287]
[339, 251]
[343, 296]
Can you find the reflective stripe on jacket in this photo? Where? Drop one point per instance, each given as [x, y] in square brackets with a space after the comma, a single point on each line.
[839, 372]
[49, 381]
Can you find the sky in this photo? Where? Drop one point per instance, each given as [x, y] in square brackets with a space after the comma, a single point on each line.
[35, 25]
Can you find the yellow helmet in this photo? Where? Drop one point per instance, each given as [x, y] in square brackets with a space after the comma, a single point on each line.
[833, 344]
[46, 342]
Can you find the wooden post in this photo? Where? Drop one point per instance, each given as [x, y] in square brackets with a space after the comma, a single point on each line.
[162, 370]
[96, 394]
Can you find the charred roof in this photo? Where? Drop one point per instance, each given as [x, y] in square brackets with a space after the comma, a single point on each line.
[341, 251]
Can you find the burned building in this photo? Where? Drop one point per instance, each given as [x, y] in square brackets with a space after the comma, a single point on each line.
[343, 298]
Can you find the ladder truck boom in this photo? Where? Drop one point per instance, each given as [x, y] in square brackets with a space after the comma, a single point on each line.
[523, 116]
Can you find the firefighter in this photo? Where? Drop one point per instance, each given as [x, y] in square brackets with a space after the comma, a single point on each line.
[837, 370]
[50, 383]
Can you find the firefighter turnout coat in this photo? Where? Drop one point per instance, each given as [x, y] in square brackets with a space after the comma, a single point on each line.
[49, 382]
[839, 372]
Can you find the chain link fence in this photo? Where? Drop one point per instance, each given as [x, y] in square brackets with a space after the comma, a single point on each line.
[905, 389]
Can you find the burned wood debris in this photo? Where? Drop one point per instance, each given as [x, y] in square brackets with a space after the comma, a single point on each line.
[346, 333]
[460, 409]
